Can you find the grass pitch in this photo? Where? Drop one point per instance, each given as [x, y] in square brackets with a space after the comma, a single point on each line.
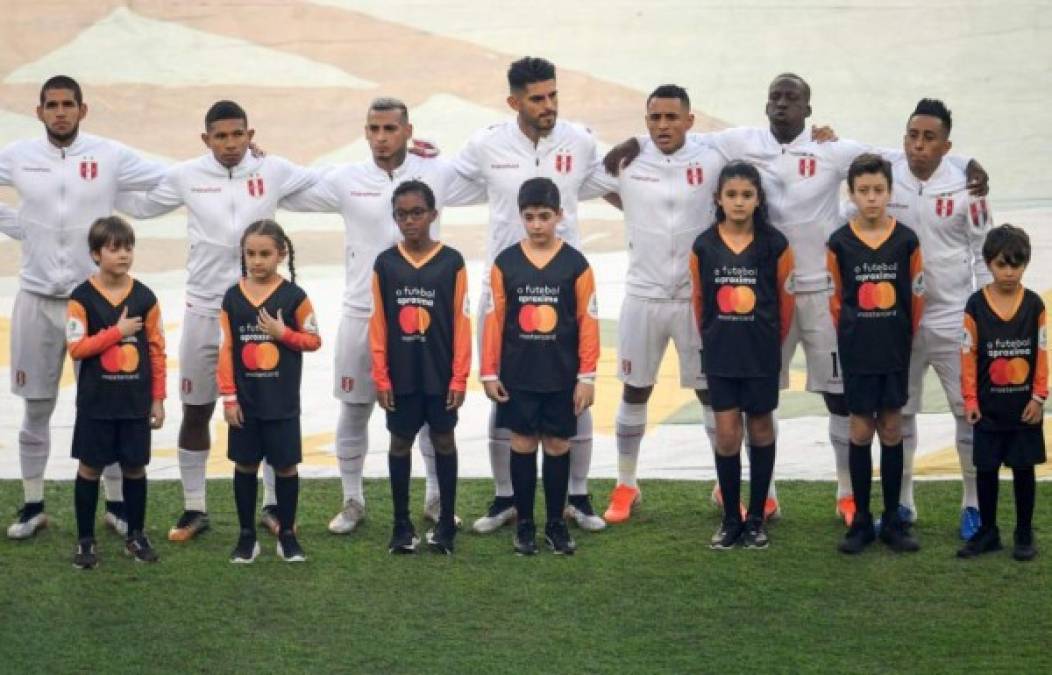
[645, 597]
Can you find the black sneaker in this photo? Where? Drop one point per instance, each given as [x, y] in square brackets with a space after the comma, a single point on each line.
[289, 548]
[247, 549]
[754, 535]
[727, 535]
[440, 538]
[526, 538]
[138, 547]
[1024, 549]
[403, 538]
[860, 535]
[189, 525]
[986, 540]
[558, 538]
[85, 557]
[896, 536]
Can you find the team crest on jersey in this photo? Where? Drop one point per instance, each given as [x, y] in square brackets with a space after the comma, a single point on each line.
[695, 175]
[944, 206]
[310, 324]
[74, 330]
[626, 367]
[593, 307]
[917, 285]
[255, 186]
[20, 378]
[186, 386]
[966, 341]
[89, 169]
[563, 162]
[807, 166]
[979, 212]
[346, 384]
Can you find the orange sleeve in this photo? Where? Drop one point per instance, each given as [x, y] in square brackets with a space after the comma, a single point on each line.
[786, 301]
[493, 328]
[158, 360]
[461, 333]
[836, 297]
[695, 289]
[81, 345]
[378, 339]
[306, 339]
[587, 325]
[1041, 366]
[225, 367]
[917, 286]
[970, 364]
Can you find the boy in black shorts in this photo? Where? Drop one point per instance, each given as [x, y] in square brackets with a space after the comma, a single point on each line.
[540, 349]
[877, 301]
[1004, 382]
[420, 336]
[114, 332]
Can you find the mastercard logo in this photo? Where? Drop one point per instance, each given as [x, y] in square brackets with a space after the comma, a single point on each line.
[414, 319]
[1009, 371]
[736, 299]
[879, 295]
[537, 318]
[120, 359]
[260, 356]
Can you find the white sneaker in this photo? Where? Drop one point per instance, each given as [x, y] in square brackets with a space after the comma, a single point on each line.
[501, 512]
[579, 509]
[433, 509]
[26, 526]
[346, 520]
[116, 523]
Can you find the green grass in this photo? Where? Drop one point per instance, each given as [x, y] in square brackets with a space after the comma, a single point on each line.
[646, 597]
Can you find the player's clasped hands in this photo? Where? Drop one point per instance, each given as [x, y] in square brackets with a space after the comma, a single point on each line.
[273, 326]
[129, 325]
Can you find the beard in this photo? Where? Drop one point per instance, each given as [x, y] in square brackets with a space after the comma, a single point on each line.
[61, 139]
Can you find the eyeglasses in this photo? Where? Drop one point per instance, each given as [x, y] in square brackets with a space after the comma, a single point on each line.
[402, 215]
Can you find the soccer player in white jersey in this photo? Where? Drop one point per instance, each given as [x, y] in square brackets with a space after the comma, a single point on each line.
[65, 179]
[225, 190]
[361, 193]
[503, 156]
[667, 198]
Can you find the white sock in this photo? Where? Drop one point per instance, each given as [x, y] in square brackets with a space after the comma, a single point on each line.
[964, 456]
[631, 424]
[193, 467]
[113, 483]
[909, 452]
[840, 439]
[581, 455]
[34, 446]
[427, 451]
[352, 445]
[500, 456]
[270, 497]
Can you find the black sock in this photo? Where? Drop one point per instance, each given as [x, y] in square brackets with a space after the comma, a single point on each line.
[287, 491]
[246, 486]
[987, 485]
[860, 462]
[556, 473]
[1024, 485]
[524, 482]
[85, 501]
[446, 467]
[135, 504]
[400, 467]
[729, 474]
[761, 468]
[891, 476]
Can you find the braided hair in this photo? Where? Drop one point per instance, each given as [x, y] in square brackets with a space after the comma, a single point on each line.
[270, 229]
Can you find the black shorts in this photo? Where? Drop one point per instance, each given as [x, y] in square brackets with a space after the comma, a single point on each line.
[1017, 448]
[752, 395]
[869, 394]
[99, 443]
[413, 411]
[530, 413]
[277, 441]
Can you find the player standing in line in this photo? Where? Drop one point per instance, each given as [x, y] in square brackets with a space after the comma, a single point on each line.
[115, 332]
[65, 181]
[224, 191]
[540, 351]
[420, 334]
[1004, 376]
[667, 198]
[740, 269]
[361, 192]
[503, 156]
[267, 324]
[877, 302]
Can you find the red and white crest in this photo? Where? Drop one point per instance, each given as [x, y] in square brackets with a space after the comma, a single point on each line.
[979, 213]
[807, 166]
[346, 384]
[563, 162]
[944, 206]
[89, 169]
[20, 378]
[626, 367]
[695, 175]
[255, 186]
[186, 386]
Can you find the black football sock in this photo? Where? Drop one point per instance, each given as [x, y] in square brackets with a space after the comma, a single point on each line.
[85, 501]
[860, 463]
[287, 492]
[246, 487]
[556, 473]
[761, 468]
[446, 467]
[987, 485]
[1024, 484]
[135, 504]
[729, 474]
[524, 482]
[400, 467]
[891, 476]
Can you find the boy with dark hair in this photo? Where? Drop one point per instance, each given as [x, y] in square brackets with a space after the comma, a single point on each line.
[540, 350]
[1004, 380]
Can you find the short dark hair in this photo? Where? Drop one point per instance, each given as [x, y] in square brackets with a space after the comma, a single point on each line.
[670, 91]
[529, 70]
[385, 103]
[1007, 241]
[225, 110]
[62, 82]
[539, 192]
[793, 76]
[415, 186]
[933, 107]
[868, 163]
[110, 231]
